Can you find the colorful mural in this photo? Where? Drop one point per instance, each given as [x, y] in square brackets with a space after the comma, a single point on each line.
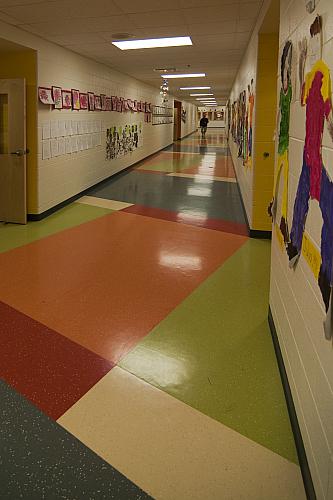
[123, 140]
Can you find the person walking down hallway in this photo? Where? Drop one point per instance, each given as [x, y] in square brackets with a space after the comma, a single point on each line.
[203, 125]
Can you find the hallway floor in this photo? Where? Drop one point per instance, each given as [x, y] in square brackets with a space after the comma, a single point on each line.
[136, 357]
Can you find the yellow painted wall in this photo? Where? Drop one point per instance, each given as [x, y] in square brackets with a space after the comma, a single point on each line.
[265, 117]
[23, 64]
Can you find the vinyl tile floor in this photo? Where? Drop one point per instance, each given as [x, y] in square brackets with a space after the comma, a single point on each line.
[136, 358]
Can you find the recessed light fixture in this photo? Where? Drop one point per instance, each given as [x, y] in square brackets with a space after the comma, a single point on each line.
[186, 75]
[207, 99]
[151, 43]
[197, 95]
[194, 88]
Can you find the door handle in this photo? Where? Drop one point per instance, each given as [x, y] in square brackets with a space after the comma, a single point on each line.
[20, 152]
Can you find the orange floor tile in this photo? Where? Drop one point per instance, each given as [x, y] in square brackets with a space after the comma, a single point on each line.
[107, 283]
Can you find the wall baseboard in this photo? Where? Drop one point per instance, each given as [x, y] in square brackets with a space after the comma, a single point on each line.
[62, 204]
[303, 462]
[256, 233]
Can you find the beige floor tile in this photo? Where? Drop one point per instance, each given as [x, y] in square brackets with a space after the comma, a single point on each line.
[172, 451]
[100, 202]
[200, 176]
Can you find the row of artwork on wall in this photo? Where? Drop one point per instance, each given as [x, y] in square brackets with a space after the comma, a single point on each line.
[76, 100]
[240, 122]
[314, 183]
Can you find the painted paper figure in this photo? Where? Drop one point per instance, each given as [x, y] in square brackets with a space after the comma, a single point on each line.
[91, 101]
[283, 143]
[314, 182]
[45, 95]
[249, 121]
[57, 97]
[76, 99]
[83, 101]
[66, 99]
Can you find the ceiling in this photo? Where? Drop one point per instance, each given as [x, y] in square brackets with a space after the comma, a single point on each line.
[220, 31]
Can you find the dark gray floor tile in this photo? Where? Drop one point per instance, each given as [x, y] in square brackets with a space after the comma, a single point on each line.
[40, 460]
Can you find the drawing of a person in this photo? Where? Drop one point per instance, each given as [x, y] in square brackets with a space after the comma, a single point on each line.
[283, 142]
[314, 182]
[249, 119]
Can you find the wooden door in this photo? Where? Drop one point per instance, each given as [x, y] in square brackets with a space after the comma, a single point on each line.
[13, 205]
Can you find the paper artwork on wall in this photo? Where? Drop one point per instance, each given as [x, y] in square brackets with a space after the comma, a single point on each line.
[282, 162]
[183, 115]
[67, 99]
[76, 99]
[103, 102]
[123, 140]
[314, 182]
[57, 97]
[98, 103]
[108, 104]
[91, 101]
[83, 101]
[45, 95]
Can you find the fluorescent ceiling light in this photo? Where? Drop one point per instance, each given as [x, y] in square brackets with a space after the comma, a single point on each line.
[194, 88]
[150, 43]
[196, 95]
[185, 75]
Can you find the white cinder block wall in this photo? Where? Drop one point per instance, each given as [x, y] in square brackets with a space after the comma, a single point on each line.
[61, 177]
[295, 299]
[191, 119]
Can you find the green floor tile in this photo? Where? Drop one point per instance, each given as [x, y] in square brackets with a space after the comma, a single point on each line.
[15, 235]
[215, 353]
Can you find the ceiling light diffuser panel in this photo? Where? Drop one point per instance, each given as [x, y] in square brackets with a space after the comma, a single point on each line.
[194, 88]
[185, 75]
[152, 43]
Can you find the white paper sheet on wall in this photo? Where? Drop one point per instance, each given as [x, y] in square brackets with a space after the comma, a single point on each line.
[68, 127]
[68, 145]
[74, 143]
[54, 148]
[99, 139]
[54, 129]
[62, 130]
[46, 130]
[46, 149]
[74, 127]
[61, 146]
[90, 142]
[84, 127]
[80, 127]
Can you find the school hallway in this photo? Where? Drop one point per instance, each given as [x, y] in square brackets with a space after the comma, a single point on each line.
[137, 359]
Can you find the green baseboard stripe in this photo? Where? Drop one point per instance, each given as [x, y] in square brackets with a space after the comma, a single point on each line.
[303, 462]
[52, 210]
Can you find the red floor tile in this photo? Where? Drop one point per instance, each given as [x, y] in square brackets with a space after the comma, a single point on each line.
[216, 224]
[105, 284]
[48, 369]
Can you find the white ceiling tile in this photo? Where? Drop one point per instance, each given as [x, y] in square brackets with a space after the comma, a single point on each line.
[133, 6]
[10, 3]
[249, 10]
[9, 19]
[57, 10]
[245, 25]
[76, 38]
[215, 14]
[212, 28]
[152, 19]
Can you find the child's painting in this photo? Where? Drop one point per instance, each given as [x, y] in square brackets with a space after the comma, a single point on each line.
[76, 99]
